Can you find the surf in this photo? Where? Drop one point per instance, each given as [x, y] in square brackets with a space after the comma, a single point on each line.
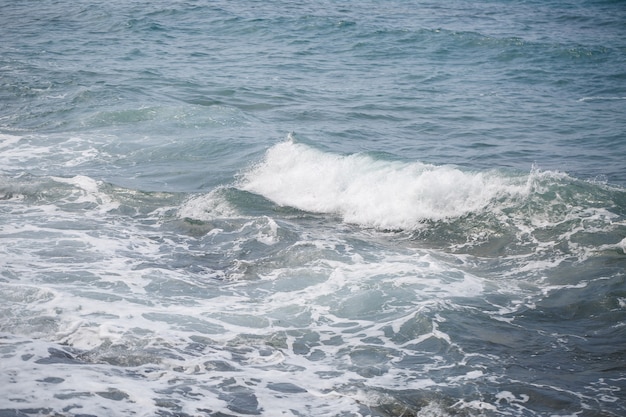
[377, 193]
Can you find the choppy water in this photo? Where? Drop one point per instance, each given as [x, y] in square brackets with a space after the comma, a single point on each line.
[313, 209]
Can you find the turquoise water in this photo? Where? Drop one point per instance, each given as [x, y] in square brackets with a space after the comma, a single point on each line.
[397, 208]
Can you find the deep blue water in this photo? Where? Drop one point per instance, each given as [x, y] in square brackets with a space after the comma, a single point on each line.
[400, 208]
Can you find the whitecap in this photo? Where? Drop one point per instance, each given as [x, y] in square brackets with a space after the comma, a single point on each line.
[374, 193]
[207, 207]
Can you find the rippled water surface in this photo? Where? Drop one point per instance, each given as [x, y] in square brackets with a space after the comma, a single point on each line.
[400, 208]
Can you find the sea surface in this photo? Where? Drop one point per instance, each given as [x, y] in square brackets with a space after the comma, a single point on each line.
[329, 208]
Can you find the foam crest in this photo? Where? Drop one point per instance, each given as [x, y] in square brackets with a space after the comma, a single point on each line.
[375, 193]
[8, 141]
[88, 191]
[207, 207]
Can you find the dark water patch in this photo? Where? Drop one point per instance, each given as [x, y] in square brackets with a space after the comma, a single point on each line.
[58, 356]
[240, 399]
[286, 387]
[113, 394]
[52, 380]
[25, 412]
[220, 366]
[12, 413]
[416, 403]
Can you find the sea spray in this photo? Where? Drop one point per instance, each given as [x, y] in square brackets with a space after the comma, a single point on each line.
[374, 193]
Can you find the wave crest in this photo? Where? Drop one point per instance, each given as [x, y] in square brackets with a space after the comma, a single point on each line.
[372, 192]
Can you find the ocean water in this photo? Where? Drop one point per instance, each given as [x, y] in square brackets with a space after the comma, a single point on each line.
[227, 208]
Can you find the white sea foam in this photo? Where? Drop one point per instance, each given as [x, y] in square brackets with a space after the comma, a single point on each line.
[370, 192]
[89, 192]
[325, 330]
[324, 318]
[8, 141]
[501, 294]
[207, 207]
[131, 322]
